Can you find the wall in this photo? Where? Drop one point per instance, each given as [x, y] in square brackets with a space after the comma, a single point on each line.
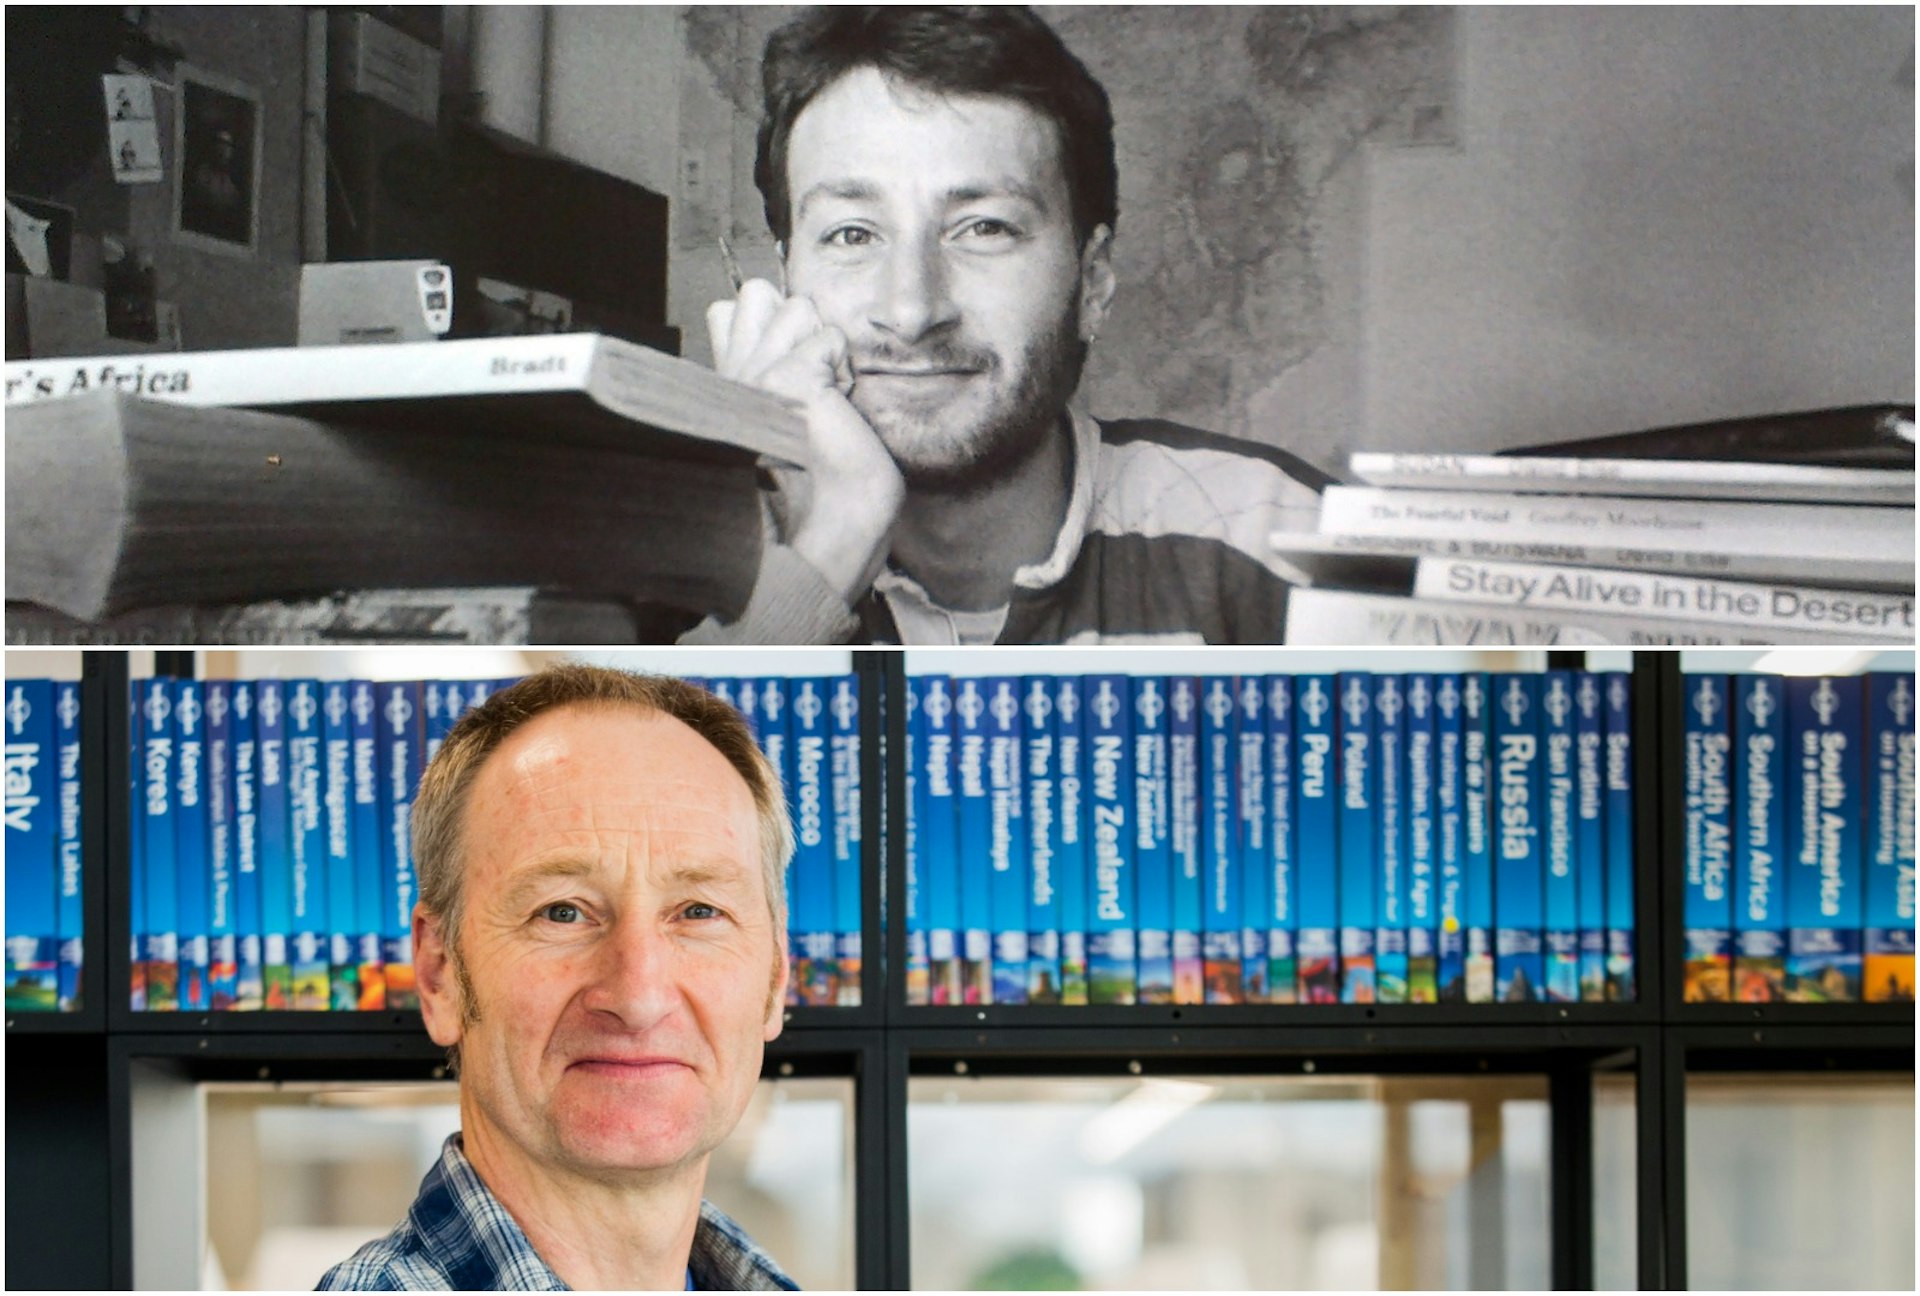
[1656, 216]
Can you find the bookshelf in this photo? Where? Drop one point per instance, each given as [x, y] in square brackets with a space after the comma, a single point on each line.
[94, 1097]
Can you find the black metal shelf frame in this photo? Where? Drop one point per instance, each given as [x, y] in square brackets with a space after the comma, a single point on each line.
[884, 1042]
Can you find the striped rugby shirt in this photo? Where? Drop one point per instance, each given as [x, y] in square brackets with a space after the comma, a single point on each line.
[1164, 541]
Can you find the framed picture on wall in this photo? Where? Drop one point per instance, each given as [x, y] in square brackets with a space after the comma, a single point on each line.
[216, 174]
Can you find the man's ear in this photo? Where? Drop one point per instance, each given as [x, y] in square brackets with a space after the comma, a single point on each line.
[433, 976]
[1096, 281]
[777, 994]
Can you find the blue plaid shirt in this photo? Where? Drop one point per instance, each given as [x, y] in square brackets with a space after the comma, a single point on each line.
[458, 1237]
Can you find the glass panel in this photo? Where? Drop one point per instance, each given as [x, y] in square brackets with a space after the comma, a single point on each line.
[1616, 1261]
[1800, 1182]
[1228, 1182]
[302, 1176]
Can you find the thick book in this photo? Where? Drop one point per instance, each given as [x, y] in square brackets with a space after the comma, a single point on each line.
[136, 846]
[33, 841]
[116, 504]
[336, 818]
[1887, 975]
[223, 962]
[1184, 837]
[1844, 615]
[1423, 979]
[370, 966]
[570, 387]
[1040, 770]
[1284, 868]
[1069, 838]
[161, 948]
[1681, 478]
[1825, 727]
[1007, 849]
[1316, 776]
[70, 924]
[844, 760]
[1152, 842]
[1253, 824]
[1784, 541]
[1759, 833]
[811, 894]
[1390, 840]
[775, 730]
[1519, 900]
[1220, 946]
[917, 990]
[249, 985]
[1589, 829]
[192, 867]
[937, 835]
[1359, 783]
[402, 758]
[1622, 953]
[1340, 618]
[1708, 861]
[973, 807]
[1879, 436]
[1111, 974]
[1449, 801]
[307, 845]
[1560, 845]
[1476, 834]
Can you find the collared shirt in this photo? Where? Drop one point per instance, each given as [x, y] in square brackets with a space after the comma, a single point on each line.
[1165, 540]
[458, 1237]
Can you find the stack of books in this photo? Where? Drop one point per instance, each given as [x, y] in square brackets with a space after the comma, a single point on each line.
[1351, 838]
[1799, 839]
[1797, 529]
[271, 845]
[44, 937]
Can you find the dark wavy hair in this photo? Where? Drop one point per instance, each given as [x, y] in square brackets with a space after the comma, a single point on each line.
[1004, 51]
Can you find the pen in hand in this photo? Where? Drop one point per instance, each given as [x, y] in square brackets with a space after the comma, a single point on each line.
[730, 263]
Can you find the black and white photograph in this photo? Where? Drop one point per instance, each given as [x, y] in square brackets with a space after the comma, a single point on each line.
[217, 159]
[1070, 325]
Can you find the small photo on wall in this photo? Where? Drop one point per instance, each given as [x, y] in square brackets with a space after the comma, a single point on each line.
[217, 177]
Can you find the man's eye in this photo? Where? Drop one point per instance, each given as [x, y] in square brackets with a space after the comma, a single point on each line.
[848, 236]
[988, 228]
[699, 910]
[562, 911]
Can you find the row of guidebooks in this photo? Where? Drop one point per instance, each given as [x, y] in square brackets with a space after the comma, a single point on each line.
[1334, 838]
[270, 848]
[1799, 839]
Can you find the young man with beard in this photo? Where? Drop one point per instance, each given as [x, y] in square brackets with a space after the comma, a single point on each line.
[942, 188]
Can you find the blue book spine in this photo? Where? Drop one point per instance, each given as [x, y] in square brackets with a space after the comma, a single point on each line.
[1186, 831]
[1450, 847]
[1888, 958]
[845, 787]
[1043, 833]
[1759, 839]
[71, 925]
[1390, 839]
[137, 843]
[223, 961]
[938, 841]
[746, 700]
[812, 894]
[1590, 844]
[918, 989]
[1007, 852]
[1220, 841]
[1477, 822]
[1256, 867]
[1316, 835]
[1111, 974]
[1560, 845]
[1622, 976]
[1010, 884]
[1152, 843]
[162, 951]
[33, 847]
[307, 839]
[193, 869]
[401, 724]
[775, 734]
[1825, 720]
[1423, 966]
[724, 690]
[1519, 900]
[249, 986]
[1070, 837]
[1359, 818]
[1709, 842]
[336, 806]
[368, 880]
[434, 722]
[973, 808]
[1283, 850]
